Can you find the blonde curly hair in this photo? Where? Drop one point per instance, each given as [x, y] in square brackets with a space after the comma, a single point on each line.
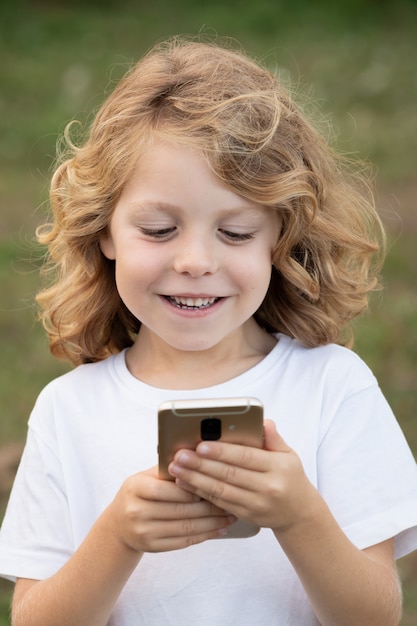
[243, 120]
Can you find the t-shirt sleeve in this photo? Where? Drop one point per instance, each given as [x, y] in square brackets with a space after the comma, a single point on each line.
[367, 473]
[36, 538]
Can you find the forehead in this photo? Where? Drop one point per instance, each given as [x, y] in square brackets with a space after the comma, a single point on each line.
[175, 182]
[167, 169]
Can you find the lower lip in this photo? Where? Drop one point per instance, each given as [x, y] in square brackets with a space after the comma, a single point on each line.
[193, 313]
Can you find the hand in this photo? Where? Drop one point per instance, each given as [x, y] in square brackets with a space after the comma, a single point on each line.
[153, 515]
[267, 487]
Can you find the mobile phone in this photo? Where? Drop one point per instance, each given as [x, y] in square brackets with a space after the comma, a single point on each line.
[185, 423]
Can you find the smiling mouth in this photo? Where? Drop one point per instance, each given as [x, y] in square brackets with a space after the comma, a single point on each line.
[192, 304]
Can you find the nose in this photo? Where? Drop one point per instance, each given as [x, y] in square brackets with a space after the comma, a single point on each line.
[196, 256]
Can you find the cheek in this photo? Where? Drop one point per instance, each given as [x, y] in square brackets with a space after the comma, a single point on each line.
[138, 273]
[255, 271]
[132, 271]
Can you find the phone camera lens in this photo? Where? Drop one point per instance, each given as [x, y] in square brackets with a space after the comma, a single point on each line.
[211, 429]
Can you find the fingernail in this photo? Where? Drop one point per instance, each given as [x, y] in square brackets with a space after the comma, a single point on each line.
[182, 458]
[174, 469]
[203, 448]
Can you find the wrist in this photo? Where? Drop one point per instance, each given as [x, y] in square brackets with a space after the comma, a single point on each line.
[112, 528]
[310, 513]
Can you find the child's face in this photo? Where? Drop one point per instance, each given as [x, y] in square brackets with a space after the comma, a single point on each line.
[193, 258]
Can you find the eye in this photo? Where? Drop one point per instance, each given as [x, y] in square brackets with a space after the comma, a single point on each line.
[236, 237]
[158, 233]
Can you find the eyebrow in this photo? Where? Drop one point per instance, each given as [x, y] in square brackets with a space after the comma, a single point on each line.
[156, 206]
[149, 206]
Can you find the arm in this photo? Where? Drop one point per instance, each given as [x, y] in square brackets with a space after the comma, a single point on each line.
[147, 515]
[268, 487]
[345, 585]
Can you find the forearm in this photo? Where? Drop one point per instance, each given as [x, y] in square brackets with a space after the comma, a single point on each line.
[146, 515]
[84, 591]
[269, 487]
[345, 585]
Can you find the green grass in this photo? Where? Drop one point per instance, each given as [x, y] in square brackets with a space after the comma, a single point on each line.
[356, 58]
[5, 593]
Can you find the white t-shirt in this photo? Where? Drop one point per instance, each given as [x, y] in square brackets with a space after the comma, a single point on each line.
[97, 425]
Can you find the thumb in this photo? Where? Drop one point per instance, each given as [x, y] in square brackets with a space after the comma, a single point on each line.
[272, 439]
[152, 471]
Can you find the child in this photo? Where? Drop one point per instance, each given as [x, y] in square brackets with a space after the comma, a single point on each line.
[206, 242]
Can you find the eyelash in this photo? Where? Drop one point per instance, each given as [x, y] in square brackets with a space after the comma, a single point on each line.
[237, 237]
[165, 233]
[158, 233]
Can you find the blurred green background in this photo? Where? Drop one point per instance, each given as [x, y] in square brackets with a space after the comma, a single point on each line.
[356, 59]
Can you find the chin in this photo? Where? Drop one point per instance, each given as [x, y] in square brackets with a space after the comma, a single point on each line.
[194, 345]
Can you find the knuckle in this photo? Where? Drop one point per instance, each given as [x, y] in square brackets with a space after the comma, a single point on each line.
[192, 540]
[128, 486]
[275, 489]
[246, 455]
[138, 485]
[188, 527]
[217, 492]
[228, 473]
[179, 510]
[132, 514]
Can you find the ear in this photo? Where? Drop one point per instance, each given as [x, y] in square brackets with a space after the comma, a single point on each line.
[107, 246]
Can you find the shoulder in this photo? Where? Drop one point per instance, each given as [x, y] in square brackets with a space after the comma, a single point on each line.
[78, 387]
[334, 363]
[84, 375]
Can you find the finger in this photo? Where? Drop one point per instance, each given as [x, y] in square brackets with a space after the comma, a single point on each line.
[194, 526]
[225, 496]
[245, 456]
[200, 472]
[235, 498]
[148, 486]
[234, 455]
[176, 536]
[181, 510]
[273, 440]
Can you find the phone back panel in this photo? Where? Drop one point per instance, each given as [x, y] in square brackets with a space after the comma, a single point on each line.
[180, 427]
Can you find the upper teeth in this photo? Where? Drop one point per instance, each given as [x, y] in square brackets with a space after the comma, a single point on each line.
[193, 302]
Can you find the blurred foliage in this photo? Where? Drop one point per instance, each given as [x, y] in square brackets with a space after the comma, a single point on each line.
[356, 59]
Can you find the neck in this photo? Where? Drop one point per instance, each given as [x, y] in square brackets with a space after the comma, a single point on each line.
[161, 365]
